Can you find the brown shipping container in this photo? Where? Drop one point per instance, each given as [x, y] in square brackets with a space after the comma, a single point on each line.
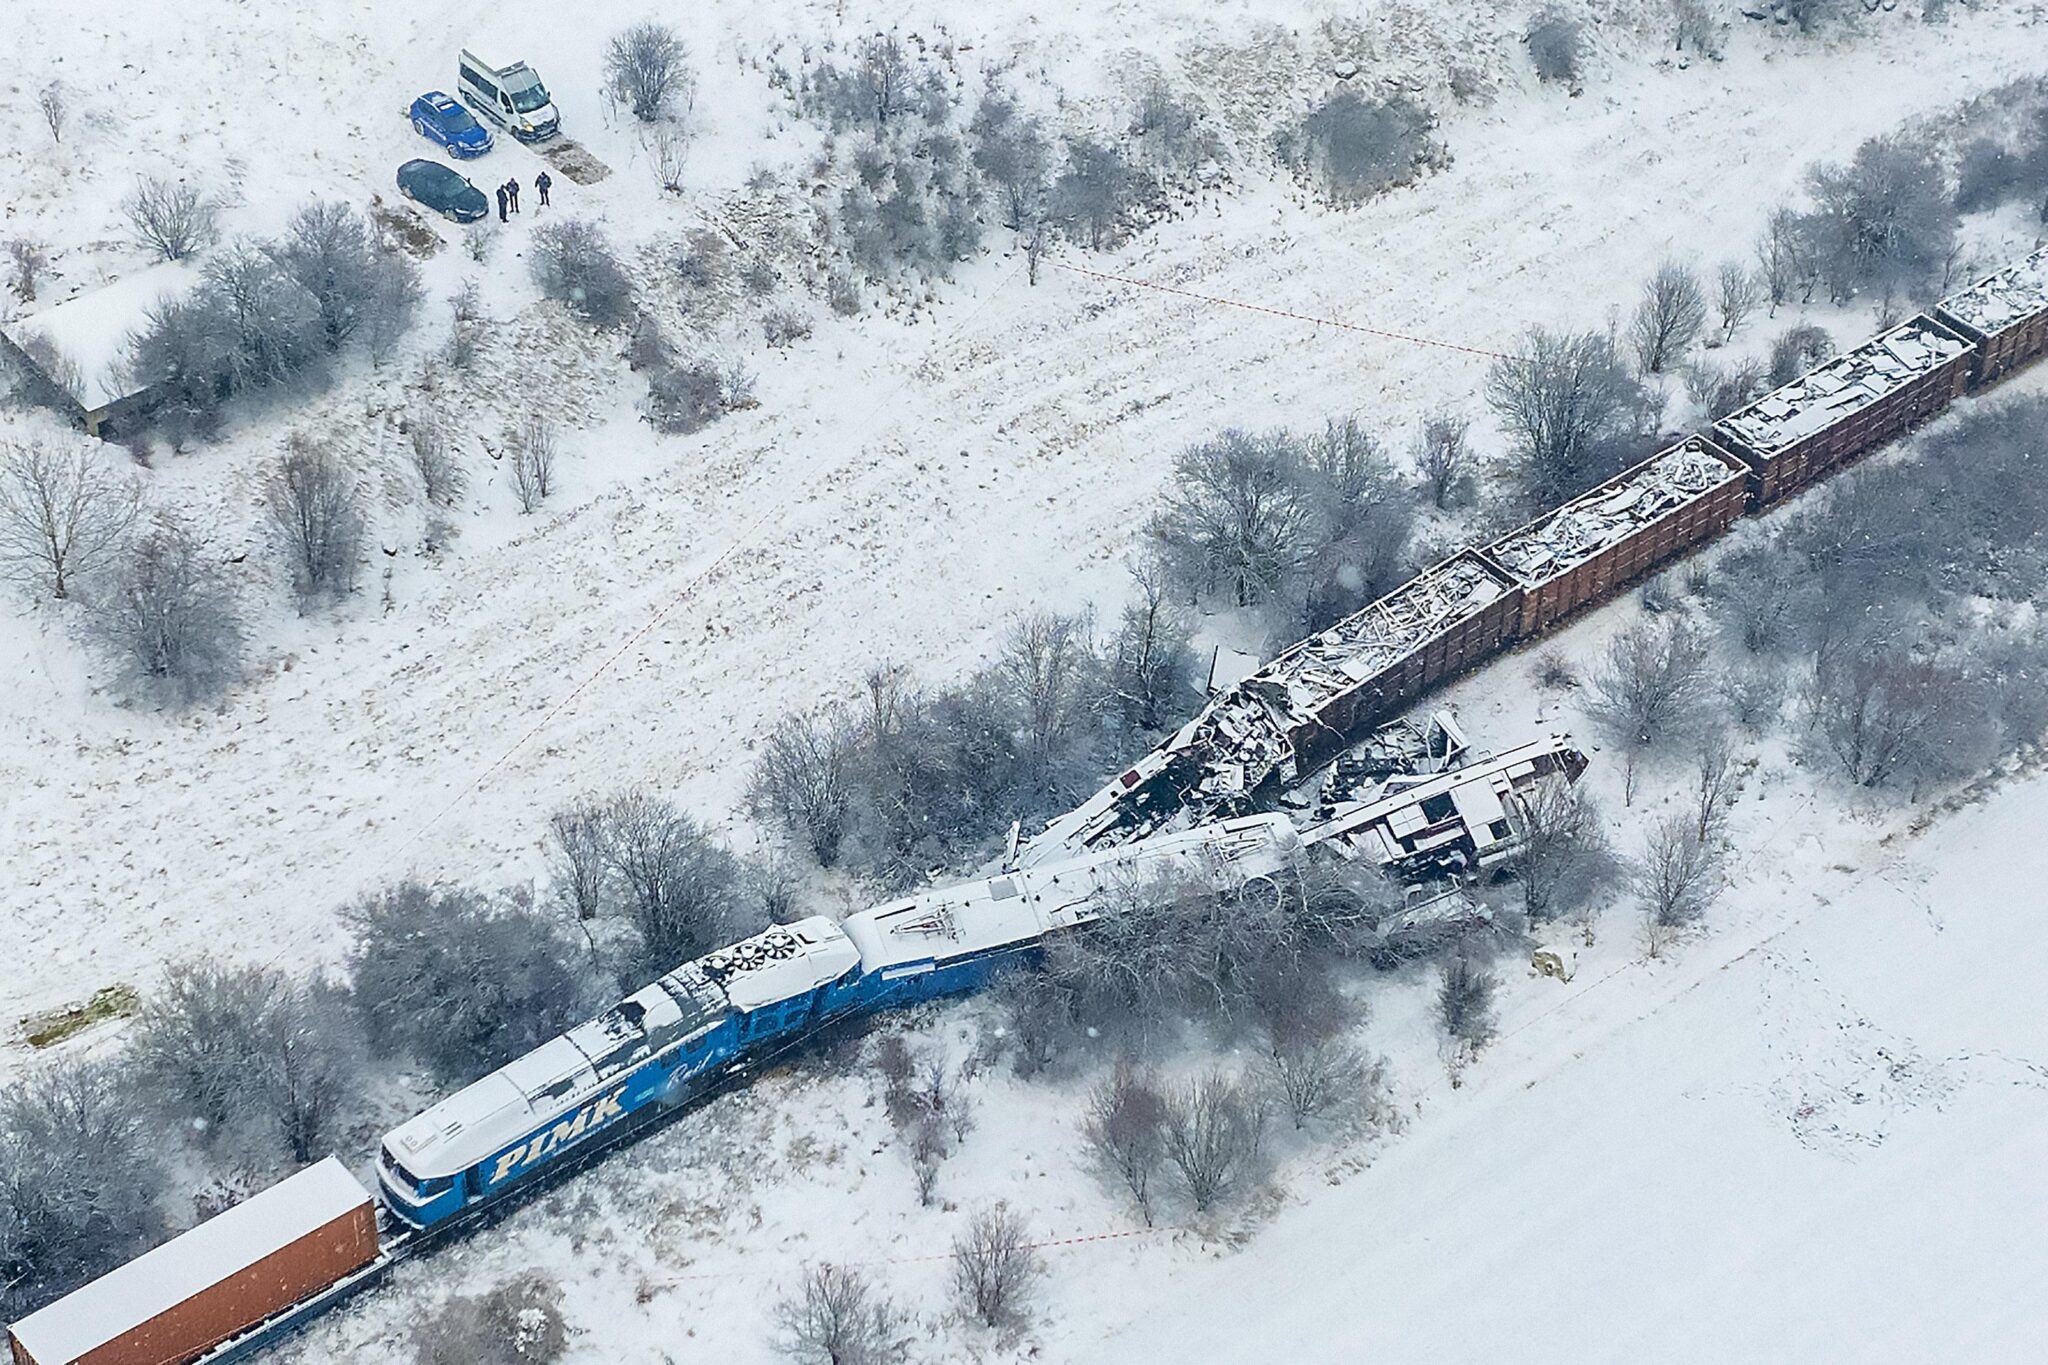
[1347, 714]
[193, 1293]
[2005, 314]
[1784, 467]
[1637, 521]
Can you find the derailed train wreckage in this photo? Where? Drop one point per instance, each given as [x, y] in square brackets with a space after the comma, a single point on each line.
[1213, 802]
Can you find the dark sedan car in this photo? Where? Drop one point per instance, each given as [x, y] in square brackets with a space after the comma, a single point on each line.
[440, 119]
[443, 189]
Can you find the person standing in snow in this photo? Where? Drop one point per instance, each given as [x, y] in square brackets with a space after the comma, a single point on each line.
[542, 183]
[502, 201]
[512, 188]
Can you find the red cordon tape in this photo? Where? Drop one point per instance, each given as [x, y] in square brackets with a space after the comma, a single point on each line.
[916, 1260]
[1280, 312]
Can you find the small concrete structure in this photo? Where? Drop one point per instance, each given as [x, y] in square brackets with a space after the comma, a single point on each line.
[77, 352]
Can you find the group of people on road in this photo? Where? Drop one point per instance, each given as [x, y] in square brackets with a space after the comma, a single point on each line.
[508, 194]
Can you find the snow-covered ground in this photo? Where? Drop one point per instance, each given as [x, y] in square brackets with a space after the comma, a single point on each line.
[1659, 1161]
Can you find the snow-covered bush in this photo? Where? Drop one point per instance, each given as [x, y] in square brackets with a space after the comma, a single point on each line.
[81, 1181]
[167, 613]
[320, 519]
[462, 983]
[573, 263]
[647, 68]
[256, 1063]
[518, 1322]
[172, 219]
[1351, 148]
[1557, 46]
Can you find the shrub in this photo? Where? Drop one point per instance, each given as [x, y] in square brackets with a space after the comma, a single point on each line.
[1557, 46]
[574, 264]
[995, 1270]
[173, 220]
[648, 68]
[460, 983]
[81, 1182]
[168, 614]
[319, 516]
[1355, 148]
[517, 1323]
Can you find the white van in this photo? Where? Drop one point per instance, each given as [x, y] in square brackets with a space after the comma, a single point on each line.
[509, 95]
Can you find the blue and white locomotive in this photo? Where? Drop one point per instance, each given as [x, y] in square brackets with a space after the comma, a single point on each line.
[669, 1041]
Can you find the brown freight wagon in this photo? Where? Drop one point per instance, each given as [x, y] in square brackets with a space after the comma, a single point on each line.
[198, 1291]
[1854, 403]
[1603, 540]
[2005, 314]
[1336, 684]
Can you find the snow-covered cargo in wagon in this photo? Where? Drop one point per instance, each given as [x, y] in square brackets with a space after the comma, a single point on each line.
[304, 1237]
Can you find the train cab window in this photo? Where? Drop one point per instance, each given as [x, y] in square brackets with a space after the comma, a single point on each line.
[1498, 830]
[1438, 807]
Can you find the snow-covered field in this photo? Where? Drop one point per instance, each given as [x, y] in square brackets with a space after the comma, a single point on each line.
[1662, 1161]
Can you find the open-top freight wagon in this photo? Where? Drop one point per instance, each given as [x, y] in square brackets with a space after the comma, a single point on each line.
[2005, 314]
[1635, 523]
[1847, 407]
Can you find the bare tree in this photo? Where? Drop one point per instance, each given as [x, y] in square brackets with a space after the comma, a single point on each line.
[533, 462]
[683, 890]
[1881, 715]
[82, 1181]
[1798, 350]
[29, 259]
[1314, 1077]
[580, 860]
[803, 778]
[442, 477]
[55, 107]
[467, 326]
[1717, 781]
[668, 154]
[1669, 317]
[63, 514]
[572, 262]
[1239, 516]
[1561, 848]
[1215, 1131]
[1650, 685]
[928, 1151]
[1443, 456]
[1569, 405]
[173, 219]
[461, 983]
[361, 287]
[1884, 223]
[318, 512]
[648, 69]
[1149, 660]
[836, 1317]
[1125, 1131]
[1464, 1003]
[168, 614]
[1676, 878]
[1353, 147]
[995, 1269]
[1736, 295]
[250, 1058]
[1051, 670]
